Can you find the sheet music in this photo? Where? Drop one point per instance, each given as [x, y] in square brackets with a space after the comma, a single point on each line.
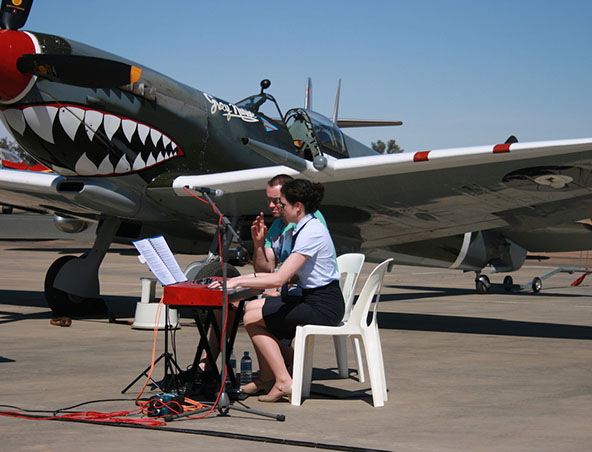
[159, 257]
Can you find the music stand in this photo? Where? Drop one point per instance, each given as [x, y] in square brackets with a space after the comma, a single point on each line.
[223, 403]
[169, 364]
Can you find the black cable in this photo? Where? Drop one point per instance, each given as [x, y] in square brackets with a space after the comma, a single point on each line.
[65, 410]
[27, 411]
[61, 410]
[227, 435]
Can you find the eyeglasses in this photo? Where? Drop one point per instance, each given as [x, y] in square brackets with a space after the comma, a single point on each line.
[275, 201]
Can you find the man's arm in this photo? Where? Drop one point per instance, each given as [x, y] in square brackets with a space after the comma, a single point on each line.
[263, 258]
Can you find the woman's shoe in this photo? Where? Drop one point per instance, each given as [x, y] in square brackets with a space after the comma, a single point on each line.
[253, 387]
[271, 398]
[61, 321]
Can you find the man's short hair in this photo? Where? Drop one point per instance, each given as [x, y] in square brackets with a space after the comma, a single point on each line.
[280, 179]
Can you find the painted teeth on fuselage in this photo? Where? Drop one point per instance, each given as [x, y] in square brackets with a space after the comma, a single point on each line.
[151, 146]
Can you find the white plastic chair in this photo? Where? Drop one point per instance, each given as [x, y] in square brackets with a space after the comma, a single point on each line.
[357, 325]
[351, 265]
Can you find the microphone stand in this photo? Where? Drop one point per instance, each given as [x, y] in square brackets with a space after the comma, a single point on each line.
[223, 403]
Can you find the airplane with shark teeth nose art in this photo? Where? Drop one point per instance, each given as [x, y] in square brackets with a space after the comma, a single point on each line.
[124, 143]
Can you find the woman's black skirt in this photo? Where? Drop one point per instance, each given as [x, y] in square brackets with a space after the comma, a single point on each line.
[319, 306]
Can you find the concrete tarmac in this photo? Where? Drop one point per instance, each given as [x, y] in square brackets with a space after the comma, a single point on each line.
[465, 372]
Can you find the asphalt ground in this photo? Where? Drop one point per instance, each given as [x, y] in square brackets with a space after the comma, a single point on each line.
[465, 372]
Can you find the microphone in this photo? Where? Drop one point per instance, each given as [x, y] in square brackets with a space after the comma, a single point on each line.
[210, 191]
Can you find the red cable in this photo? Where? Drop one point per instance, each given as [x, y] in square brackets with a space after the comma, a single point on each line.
[95, 416]
[152, 363]
[195, 196]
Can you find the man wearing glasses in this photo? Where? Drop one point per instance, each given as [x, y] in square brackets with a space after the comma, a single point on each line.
[273, 246]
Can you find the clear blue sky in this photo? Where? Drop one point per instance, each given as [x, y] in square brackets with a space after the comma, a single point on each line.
[457, 73]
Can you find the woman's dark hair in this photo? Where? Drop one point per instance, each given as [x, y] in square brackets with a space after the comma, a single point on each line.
[308, 193]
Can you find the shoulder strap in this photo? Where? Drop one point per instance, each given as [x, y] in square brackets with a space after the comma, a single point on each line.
[298, 232]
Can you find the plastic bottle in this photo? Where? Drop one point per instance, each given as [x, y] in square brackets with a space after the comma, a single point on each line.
[246, 365]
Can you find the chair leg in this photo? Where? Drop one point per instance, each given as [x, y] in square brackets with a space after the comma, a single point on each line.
[382, 370]
[307, 367]
[373, 360]
[360, 361]
[340, 343]
[298, 366]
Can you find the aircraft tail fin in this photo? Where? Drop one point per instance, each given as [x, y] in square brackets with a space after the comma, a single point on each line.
[342, 123]
[336, 108]
[511, 139]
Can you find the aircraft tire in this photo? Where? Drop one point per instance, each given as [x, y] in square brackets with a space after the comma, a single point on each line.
[6, 209]
[64, 304]
[214, 269]
[482, 285]
[537, 285]
[508, 283]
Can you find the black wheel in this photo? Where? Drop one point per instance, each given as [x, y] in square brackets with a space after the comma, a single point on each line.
[482, 285]
[64, 304]
[537, 285]
[508, 283]
[6, 209]
[215, 269]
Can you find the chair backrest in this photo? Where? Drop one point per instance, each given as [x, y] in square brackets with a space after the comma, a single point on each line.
[372, 287]
[351, 265]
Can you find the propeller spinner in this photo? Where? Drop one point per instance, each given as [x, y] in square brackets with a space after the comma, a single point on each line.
[19, 53]
[13, 83]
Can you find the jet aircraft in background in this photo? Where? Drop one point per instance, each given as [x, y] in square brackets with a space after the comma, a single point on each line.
[124, 142]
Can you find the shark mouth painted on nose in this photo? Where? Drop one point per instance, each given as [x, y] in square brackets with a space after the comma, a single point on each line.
[88, 142]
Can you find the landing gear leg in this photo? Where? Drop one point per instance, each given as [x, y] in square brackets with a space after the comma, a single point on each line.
[72, 283]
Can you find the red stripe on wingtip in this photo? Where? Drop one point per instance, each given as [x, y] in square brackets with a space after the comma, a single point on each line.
[501, 148]
[421, 156]
[39, 167]
[14, 165]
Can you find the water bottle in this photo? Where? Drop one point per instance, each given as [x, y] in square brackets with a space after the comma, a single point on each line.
[246, 366]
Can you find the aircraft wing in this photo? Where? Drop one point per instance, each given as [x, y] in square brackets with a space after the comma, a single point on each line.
[32, 190]
[391, 199]
[374, 201]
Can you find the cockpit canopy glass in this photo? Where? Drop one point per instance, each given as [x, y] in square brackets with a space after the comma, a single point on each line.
[328, 134]
[315, 134]
[263, 104]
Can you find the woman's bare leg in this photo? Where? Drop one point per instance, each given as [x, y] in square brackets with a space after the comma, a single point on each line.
[252, 310]
[267, 347]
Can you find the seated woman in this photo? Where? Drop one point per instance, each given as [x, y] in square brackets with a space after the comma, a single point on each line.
[313, 267]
